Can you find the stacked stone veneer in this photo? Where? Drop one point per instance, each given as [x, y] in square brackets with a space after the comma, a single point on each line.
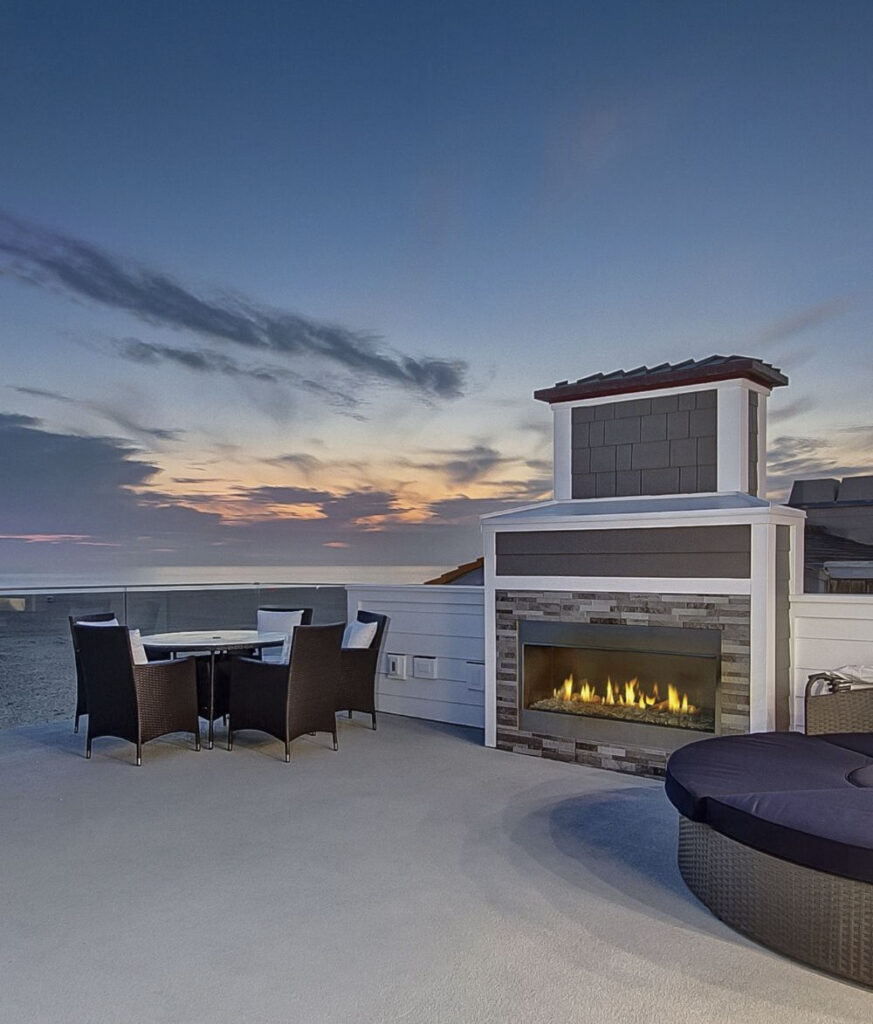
[730, 614]
[663, 445]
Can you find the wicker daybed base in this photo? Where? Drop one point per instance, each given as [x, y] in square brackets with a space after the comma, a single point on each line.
[820, 919]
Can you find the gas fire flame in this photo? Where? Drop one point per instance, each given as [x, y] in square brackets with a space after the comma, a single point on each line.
[628, 694]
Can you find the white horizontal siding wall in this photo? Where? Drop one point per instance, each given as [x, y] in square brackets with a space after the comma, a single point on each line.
[827, 631]
[443, 623]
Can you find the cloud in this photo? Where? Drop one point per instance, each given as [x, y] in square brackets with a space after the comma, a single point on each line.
[62, 484]
[805, 319]
[50, 259]
[796, 408]
[207, 361]
[302, 461]
[286, 495]
[118, 417]
[796, 458]
[88, 503]
[461, 465]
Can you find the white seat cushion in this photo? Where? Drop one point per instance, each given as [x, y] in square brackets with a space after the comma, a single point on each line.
[359, 634]
[105, 622]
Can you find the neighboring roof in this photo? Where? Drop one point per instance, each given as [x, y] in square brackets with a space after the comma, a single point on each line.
[475, 570]
[826, 492]
[665, 375]
[583, 507]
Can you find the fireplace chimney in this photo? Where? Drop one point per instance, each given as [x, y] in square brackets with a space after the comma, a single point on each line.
[695, 427]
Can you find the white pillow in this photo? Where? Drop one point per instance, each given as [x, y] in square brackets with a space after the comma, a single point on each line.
[359, 634]
[278, 622]
[137, 648]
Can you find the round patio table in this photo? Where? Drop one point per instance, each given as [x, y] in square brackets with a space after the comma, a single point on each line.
[213, 641]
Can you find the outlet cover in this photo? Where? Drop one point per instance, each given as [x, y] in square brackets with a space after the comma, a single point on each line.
[395, 666]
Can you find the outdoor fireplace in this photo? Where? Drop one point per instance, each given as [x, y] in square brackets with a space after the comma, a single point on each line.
[647, 675]
[645, 605]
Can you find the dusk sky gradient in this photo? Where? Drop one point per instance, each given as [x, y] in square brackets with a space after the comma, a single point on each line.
[278, 280]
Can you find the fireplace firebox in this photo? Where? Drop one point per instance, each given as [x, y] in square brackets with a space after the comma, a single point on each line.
[596, 676]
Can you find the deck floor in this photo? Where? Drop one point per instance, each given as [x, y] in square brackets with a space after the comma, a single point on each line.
[414, 876]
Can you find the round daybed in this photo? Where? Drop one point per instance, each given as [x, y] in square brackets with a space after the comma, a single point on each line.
[776, 834]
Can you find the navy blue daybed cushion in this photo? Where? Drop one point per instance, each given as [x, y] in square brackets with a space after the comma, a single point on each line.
[861, 742]
[829, 830]
[764, 762]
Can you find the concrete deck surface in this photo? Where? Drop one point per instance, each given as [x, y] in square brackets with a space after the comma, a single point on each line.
[414, 876]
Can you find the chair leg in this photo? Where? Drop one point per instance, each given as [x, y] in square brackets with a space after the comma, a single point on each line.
[138, 754]
[287, 751]
[229, 737]
[76, 726]
[335, 741]
[350, 714]
[88, 740]
[197, 736]
[374, 721]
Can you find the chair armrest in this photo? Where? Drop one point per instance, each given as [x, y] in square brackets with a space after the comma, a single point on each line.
[166, 695]
[166, 674]
[841, 708]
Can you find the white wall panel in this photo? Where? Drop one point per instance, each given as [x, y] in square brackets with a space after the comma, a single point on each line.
[442, 622]
[827, 631]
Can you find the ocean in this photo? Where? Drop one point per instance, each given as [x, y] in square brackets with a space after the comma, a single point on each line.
[203, 575]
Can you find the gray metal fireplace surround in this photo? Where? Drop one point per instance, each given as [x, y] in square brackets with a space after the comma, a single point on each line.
[700, 648]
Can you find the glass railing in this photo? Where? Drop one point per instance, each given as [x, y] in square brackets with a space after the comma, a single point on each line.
[37, 673]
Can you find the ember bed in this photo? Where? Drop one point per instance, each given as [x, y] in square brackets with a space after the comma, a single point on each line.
[776, 832]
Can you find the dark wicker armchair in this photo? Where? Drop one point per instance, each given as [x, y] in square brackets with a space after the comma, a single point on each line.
[81, 697]
[271, 622]
[134, 702]
[287, 701]
[832, 705]
[358, 669]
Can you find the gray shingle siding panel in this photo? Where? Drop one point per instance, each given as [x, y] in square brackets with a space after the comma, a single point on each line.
[661, 445]
[660, 481]
[677, 424]
[580, 461]
[603, 459]
[623, 431]
[687, 551]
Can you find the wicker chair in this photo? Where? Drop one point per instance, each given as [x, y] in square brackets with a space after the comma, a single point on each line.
[833, 705]
[358, 669]
[274, 621]
[134, 702]
[81, 697]
[287, 701]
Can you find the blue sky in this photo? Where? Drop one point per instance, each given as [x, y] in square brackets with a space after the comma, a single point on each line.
[277, 280]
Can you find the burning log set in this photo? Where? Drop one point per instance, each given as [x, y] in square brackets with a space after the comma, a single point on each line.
[629, 702]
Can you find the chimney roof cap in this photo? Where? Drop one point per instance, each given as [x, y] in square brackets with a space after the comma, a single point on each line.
[665, 375]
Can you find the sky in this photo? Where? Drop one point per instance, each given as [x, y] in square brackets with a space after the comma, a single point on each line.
[278, 280]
